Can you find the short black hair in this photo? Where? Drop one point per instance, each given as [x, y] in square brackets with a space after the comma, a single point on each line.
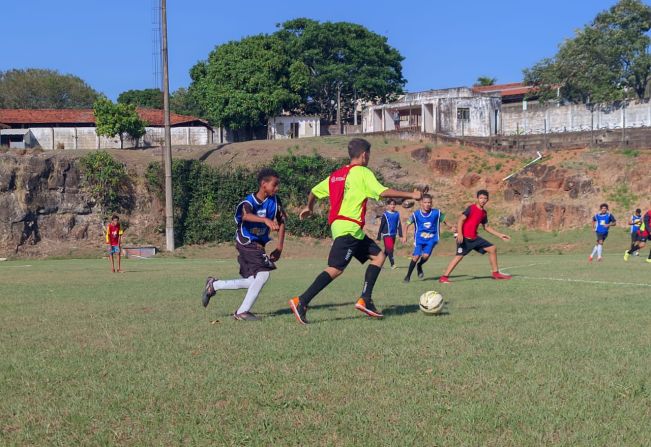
[391, 202]
[482, 192]
[426, 196]
[603, 204]
[266, 174]
[115, 216]
[638, 211]
[357, 146]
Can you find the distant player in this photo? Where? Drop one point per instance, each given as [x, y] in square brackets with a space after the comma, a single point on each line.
[636, 238]
[427, 229]
[468, 240]
[114, 242]
[348, 189]
[390, 227]
[601, 222]
[256, 216]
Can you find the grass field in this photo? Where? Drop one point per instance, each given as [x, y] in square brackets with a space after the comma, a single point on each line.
[560, 355]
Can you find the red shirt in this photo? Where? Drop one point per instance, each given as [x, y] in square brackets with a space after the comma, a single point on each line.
[113, 233]
[474, 217]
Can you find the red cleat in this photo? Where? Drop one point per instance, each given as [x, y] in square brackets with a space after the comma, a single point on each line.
[444, 280]
[589, 258]
[498, 275]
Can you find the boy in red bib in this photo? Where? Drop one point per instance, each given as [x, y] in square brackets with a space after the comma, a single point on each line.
[114, 241]
[468, 239]
[349, 188]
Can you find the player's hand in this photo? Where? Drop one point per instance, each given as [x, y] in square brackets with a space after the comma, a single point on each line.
[417, 194]
[275, 255]
[459, 238]
[273, 225]
[404, 240]
[305, 213]
[505, 237]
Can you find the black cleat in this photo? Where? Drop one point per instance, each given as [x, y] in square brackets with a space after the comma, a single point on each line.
[208, 291]
[407, 279]
[300, 311]
[367, 306]
[246, 316]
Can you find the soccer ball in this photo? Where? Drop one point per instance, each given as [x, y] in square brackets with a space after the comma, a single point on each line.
[431, 302]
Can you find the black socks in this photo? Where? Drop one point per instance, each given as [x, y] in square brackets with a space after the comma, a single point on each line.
[320, 283]
[372, 272]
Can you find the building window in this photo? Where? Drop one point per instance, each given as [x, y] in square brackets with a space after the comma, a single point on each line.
[463, 114]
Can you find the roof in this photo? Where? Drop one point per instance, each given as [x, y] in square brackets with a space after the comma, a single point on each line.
[505, 90]
[153, 117]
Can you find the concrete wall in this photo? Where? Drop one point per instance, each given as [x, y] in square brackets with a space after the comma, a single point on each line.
[550, 118]
[50, 138]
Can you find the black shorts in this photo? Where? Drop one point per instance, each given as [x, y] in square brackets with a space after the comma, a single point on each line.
[253, 259]
[345, 248]
[601, 236]
[478, 244]
[636, 237]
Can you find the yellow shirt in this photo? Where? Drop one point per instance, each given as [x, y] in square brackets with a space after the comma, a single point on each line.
[361, 184]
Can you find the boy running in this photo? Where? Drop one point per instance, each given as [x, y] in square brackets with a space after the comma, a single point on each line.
[349, 188]
[427, 228]
[256, 216]
[390, 226]
[637, 240]
[114, 242]
[468, 240]
[601, 222]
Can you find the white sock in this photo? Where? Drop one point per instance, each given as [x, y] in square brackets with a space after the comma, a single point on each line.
[254, 290]
[594, 251]
[232, 284]
[600, 249]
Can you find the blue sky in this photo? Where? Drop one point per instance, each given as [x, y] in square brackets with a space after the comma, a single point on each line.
[445, 43]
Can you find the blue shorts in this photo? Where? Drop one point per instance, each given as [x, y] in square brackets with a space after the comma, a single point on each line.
[424, 248]
[115, 249]
[601, 236]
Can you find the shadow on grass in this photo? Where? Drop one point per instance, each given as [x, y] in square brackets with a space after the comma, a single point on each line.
[288, 311]
[459, 278]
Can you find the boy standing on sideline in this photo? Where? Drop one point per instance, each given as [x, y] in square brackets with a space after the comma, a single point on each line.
[390, 227]
[256, 216]
[114, 242]
[427, 230]
[348, 189]
[637, 240]
[468, 240]
[601, 221]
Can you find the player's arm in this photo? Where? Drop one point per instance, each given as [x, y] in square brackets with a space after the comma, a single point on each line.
[399, 227]
[384, 223]
[462, 219]
[282, 217]
[613, 221]
[445, 222]
[408, 222]
[391, 193]
[494, 232]
[320, 191]
[248, 216]
[594, 223]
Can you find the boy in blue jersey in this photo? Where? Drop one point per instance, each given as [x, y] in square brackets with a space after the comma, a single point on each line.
[601, 221]
[256, 216]
[637, 241]
[390, 227]
[427, 228]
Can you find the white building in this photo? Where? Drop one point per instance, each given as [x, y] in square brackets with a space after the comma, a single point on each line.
[293, 126]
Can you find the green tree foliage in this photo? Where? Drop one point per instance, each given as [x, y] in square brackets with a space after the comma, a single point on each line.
[183, 103]
[607, 60]
[106, 180]
[343, 57]
[150, 98]
[35, 88]
[205, 198]
[244, 82]
[117, 120]
[485, 81]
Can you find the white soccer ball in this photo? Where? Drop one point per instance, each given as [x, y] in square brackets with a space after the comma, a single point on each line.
[431, 302]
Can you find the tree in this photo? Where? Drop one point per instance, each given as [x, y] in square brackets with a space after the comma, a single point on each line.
[151, 98]
[117, 120]
[184, 103]
[343, 59]
[485, 81]
[35, 88]
[243, 83]
[607, 60]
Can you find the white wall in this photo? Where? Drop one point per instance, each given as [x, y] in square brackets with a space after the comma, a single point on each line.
[280, 127]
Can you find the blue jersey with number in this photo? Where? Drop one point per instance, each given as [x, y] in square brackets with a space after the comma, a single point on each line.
[427, 226]
[602, 220]
[635, 227]
[248, 232]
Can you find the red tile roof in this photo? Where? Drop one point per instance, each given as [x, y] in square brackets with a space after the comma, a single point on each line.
[512, 89]
[153, 117]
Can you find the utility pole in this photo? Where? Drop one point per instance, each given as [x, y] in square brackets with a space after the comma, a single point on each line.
[339, 107]
[167, 150]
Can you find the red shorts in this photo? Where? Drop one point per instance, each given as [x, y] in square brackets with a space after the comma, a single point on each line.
[389, 243]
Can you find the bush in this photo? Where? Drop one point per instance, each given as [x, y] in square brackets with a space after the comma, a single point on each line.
[106, 180]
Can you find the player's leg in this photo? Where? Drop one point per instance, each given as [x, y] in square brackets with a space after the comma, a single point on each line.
[112, 260]
[427, 252]
[418, 249]
[600, 247]
[119, 261]
[595, 249]
[451, 266]
[368, 250]
[389, 246]
[257, 283]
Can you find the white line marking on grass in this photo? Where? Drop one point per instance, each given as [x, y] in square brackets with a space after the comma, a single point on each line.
[587, 281]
